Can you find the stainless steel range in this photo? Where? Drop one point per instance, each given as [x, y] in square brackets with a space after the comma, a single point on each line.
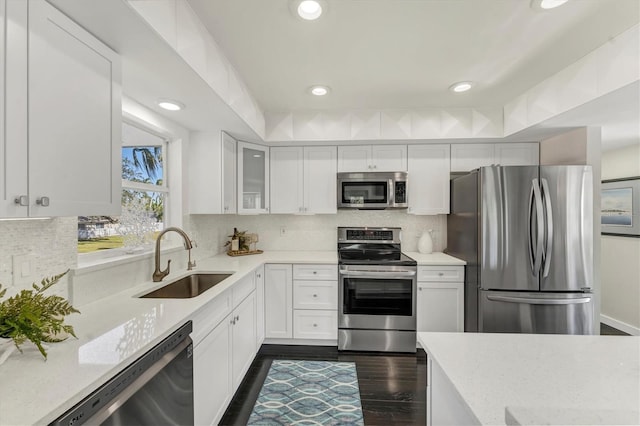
[376, 291]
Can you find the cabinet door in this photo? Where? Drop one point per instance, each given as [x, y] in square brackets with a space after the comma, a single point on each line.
[287, 180]
[466, 157]
[440, 307]
[389, 158]
[320, 188]
[244, 338]
[212, 375]
[428, 179]
[354, 158]
[278, 301]
[517, 154]
[13, 109]
[253, 178]
[75, 116]
[259, 306]
[229, 190]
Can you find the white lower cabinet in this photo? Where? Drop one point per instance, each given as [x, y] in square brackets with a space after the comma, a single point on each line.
[278, 301]
[243, 337]
[440, 304]
[259, 275]
[212, 388]
[301, 301]
[224, 341]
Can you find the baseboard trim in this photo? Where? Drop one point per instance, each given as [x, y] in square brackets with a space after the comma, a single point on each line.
[303, 342]
[623, 326]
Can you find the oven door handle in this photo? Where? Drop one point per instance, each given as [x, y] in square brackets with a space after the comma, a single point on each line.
[376, 274]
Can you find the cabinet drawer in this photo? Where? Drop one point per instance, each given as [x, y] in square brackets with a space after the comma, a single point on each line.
[315, 272]
[315, 324]
[243, 288]
[315, 295]
[441, 273]
[209, 316]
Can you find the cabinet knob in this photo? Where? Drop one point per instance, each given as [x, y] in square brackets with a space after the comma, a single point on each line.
[419, 288]
[315, 272]
[440, 274]
[315, 325]
[315, 295]
[43, 201]
[375, 167]
[22, 200]
[259, 276]
[237, 317]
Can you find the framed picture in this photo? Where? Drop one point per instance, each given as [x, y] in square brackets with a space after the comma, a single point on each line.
[620, 207]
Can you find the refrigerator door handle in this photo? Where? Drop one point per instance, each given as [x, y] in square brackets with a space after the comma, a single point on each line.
[549, 227]
[536, 258]
[540, 301]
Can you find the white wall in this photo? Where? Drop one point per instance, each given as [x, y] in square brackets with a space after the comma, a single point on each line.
[620, 260]
[316, 232]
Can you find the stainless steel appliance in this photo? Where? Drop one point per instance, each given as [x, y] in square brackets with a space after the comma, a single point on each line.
[372, 190]
[526, 233]
[377, 291]
[156, 389]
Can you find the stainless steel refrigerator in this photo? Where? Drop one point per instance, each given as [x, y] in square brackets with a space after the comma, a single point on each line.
[526, 233]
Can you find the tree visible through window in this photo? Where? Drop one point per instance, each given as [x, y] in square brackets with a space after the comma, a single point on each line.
[144, 193]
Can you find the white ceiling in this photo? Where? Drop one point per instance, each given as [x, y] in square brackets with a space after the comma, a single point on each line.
[406, 53]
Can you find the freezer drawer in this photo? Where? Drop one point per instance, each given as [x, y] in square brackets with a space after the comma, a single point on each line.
[532, 312]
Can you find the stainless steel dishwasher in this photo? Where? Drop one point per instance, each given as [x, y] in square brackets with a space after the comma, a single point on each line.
[156, 389]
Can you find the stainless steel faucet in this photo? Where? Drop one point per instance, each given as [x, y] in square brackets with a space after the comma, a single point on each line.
[158, 275]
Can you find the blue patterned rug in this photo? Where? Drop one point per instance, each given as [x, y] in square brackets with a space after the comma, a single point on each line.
[309, 393]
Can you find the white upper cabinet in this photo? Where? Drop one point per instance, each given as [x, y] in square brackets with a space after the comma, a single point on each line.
[253, 178]
[517, 154]
[303, 180]
[428, 184]
[466, 157]
[372, 158]
[229, 178]
[62, 118]
[212, 173]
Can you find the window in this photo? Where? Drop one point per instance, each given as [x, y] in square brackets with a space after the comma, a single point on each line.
[144, 196]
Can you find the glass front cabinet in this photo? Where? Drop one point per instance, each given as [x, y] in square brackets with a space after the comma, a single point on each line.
[253, 178]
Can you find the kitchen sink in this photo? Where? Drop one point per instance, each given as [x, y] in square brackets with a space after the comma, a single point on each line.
[187, 287]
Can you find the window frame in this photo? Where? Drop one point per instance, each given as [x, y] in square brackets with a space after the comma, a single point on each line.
[117, 254]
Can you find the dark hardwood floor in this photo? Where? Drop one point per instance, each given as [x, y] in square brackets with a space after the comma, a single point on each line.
[606, 330]
[392, 386]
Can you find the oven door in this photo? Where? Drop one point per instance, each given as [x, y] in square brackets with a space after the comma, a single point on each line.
[365, 193]
[377, 298]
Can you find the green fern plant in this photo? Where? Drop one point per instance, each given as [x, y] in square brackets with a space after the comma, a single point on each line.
[30, 315]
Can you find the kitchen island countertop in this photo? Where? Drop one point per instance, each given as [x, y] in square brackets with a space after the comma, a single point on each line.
[545, 379]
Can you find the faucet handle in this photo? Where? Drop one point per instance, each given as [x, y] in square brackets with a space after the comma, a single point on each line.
[158, 275]
[194, 243]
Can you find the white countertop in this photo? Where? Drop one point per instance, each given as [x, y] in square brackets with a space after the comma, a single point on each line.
[541, 379]
[435, 259]
[114, 331]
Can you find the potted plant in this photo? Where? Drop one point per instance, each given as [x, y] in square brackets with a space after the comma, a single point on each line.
[30, 315]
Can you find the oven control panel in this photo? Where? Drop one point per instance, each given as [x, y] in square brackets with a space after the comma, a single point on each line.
[373, 235]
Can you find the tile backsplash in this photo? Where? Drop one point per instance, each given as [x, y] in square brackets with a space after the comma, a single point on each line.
[49, 245]
[313, 232]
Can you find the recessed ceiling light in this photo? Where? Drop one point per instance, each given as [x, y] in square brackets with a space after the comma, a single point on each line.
[461, 86]
[309, 9]
[319, 90]
[547, 4]
[170, 104]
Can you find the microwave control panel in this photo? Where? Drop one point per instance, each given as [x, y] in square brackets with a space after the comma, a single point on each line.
[401, 192]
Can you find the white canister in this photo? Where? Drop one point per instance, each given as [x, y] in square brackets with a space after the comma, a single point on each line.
[425, 243]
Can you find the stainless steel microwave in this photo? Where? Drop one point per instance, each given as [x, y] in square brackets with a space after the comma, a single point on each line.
[372, 190]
